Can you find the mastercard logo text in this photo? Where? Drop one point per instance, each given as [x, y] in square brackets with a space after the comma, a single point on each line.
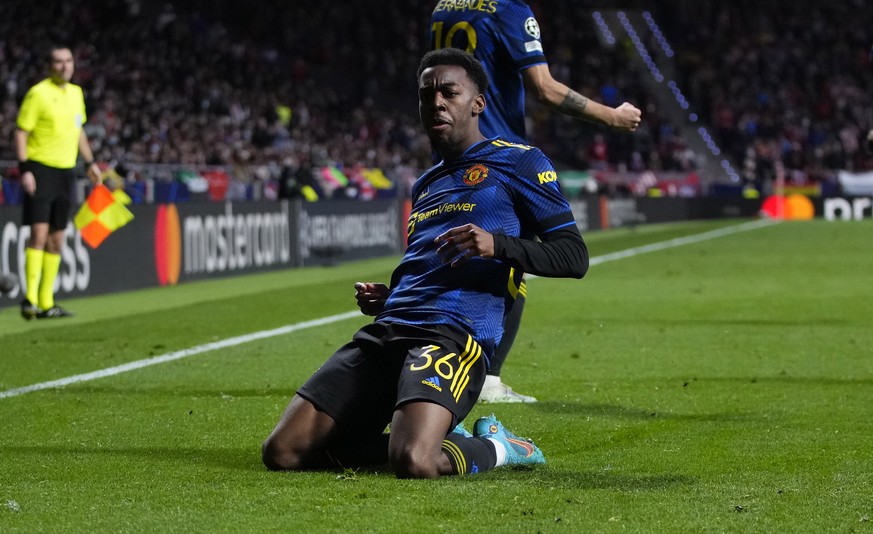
[168, 244]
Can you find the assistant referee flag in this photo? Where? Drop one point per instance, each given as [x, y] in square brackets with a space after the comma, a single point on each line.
[102, 213]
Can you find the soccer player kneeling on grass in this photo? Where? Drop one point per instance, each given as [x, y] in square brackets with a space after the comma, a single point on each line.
[421, 364]
[506, 38]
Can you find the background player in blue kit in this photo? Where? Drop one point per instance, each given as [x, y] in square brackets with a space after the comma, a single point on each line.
[421, 364]
[505, 37]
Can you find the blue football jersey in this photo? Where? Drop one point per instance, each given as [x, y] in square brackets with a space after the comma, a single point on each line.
[505, 37]
[501, 187]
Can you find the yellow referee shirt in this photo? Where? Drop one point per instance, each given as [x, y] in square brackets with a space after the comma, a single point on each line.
[53, 116]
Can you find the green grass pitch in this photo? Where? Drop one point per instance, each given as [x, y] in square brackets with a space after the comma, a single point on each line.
[724, 385]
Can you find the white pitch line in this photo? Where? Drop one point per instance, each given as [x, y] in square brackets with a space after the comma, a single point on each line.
[178, 355]
[679, 241]
[264, 334]
[676, 242]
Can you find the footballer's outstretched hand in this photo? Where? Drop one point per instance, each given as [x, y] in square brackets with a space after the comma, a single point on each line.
[371, 297]
[461, 243]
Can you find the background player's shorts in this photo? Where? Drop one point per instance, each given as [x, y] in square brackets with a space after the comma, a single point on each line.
[389, 364]
[51, 201]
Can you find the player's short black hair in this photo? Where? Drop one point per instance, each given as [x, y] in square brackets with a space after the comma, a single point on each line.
[50, 49]
[455, 56]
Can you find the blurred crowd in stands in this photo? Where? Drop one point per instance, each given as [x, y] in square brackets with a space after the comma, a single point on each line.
[780, 80]
[274, 92]
[269, 91]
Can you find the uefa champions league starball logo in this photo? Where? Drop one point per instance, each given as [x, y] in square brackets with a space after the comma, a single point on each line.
[532, 28]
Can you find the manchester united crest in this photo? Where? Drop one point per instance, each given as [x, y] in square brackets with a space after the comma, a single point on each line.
[475, 174]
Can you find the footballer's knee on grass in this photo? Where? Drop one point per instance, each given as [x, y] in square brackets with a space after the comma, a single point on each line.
[300, 436]
[414, 446]
[280, 454]
[278, 457]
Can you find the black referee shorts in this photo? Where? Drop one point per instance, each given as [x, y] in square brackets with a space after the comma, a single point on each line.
[51, 201]
[389, 364]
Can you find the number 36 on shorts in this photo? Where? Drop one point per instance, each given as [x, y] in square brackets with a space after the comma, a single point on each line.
[450, 366]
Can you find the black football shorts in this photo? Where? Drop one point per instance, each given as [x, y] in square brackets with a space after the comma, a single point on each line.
[50, 202]
[389, 364]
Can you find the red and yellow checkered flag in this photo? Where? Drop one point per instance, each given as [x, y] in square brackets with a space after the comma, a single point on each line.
[102, 213]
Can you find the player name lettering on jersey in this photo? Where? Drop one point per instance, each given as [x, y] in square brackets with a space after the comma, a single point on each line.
[486, 6]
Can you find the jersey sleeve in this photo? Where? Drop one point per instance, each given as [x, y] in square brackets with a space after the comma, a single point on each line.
[520, 33]
[28, 113]
[543, 211]
[539, 201]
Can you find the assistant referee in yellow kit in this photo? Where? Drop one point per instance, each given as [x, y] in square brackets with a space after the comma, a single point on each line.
[47, 142]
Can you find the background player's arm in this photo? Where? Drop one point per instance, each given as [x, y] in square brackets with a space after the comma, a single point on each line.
[28, 182]
[539, 82]
[85, 150]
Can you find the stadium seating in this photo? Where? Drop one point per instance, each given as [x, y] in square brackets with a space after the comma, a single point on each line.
[256, 90]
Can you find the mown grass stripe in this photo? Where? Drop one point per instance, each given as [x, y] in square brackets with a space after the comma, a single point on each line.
[264, 334]
[178, 355]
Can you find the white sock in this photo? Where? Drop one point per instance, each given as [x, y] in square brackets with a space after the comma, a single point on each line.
[500, 450]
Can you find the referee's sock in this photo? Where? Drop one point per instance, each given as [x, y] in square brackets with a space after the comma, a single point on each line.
[51, 264]
[469, 455]
[32, 273]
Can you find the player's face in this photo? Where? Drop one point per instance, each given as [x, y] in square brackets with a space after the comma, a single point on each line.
[61, 66]
[449, 105]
